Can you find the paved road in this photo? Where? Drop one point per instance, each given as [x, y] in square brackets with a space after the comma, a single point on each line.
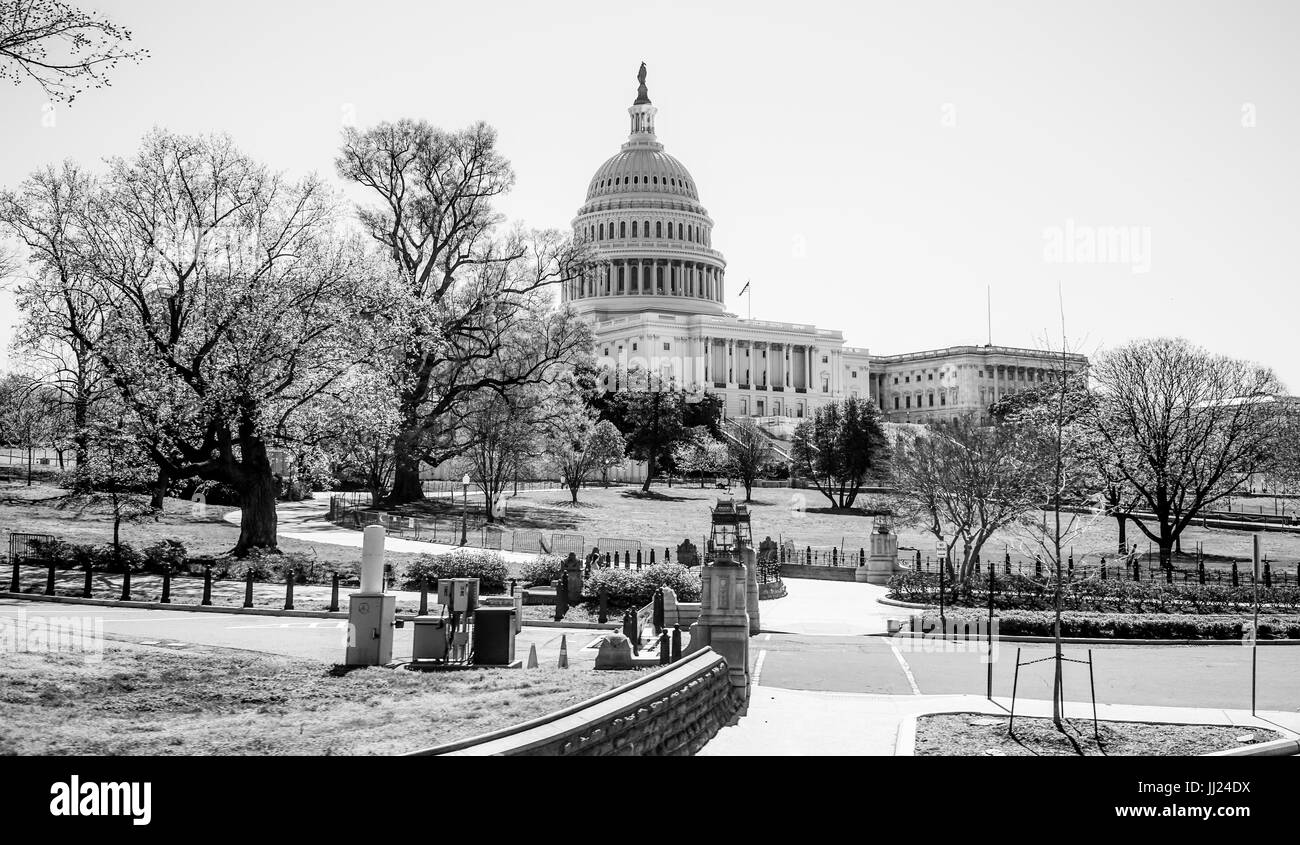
[312, 639]
[1183, 676]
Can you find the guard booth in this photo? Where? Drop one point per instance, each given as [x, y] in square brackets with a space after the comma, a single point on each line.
[729, 530]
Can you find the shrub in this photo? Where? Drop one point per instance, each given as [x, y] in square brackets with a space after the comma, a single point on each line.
[261, 564]
[1135, 626]
[541, 570]
[56, 551]
[165, 556]
[488, 567]
[110, 559]
[629, 589]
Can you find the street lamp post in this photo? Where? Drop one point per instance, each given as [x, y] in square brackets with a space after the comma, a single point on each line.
[464, 508]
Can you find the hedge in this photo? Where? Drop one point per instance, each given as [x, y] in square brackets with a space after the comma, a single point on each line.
[1111, 595]
[488, 567]
[630, 589]
[1162, 626]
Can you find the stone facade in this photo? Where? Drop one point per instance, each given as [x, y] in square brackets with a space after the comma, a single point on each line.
[656, 295]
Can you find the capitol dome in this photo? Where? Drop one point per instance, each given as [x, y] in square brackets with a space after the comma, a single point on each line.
[650, 237]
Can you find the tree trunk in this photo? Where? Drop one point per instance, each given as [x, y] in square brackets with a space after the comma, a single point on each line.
[159, 491]
[1123, 532]
[649, 473]
[573, 492]
[406, 459]
[257, 498]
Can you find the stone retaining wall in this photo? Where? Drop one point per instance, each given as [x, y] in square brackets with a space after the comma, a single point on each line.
[818, 573]
[671, 712]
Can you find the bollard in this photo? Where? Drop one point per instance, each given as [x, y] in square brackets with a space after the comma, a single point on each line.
[334, 594]
[207, 584]
[49, 580]
[1200, 572]
[248, 588]
[652, 557]
[513, 582]
[607, 560]
[167, 586]
[602, 598]
[424, 595]
[1008, 563]
[638, 558]
[664, 655]
[616, 560]
[629, 631]
[657, 619]
[677, 643]
[835, 556]
[808, 555]
[288, 591]
[668, 556]
[126, 583]
[1137, 571]
[561, 597]
[85, 588]
[1234, 573]
[1268, 575]
[13, 581]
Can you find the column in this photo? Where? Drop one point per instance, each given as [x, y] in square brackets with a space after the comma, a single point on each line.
[767, 366]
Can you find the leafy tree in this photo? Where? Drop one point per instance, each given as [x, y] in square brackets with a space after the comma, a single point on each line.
[60, 47]
[701, 453]
[607, 448]
[1182, 428]
[842, 446]
[652, 424]
[571, 439]
[462, 287]
[234, 306]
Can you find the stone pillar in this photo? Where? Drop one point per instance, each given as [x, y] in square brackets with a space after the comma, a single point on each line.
[750, 559]
[883, 562]
[724, 619]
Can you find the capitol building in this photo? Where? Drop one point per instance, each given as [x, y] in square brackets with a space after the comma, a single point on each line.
[655, 298]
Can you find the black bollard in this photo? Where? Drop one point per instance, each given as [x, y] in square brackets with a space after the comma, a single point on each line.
[677, 643]
[561, 597]
[1268, 574]
[248, 588]
[602, 599]
[629, 631]
[126, 583]
[607, 560]
[616, 560]
[652, 557]
[638, 558]
[1008, 563]
[835, 556]
[85, 588]
[1200, 572]
[288, 590]
[49, 580]
[665, 657]
[1234, 573]
[167, 587]
[657, 619]
[334, 594]
[668, 556]
[207, 585]
[862, 557]
[13, 581]
[513, 582]
[424, 595]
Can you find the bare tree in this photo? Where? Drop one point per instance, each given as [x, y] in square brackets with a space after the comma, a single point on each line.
[60, 47]
[461, 284]
[1182, 428]
[62, 306]
[963, 481]
[750, 451]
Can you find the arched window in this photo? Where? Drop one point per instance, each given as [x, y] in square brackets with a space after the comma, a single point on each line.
[679, 231]
[601, 230]
[647, 228]
[670, 230]
[659, 229]
[634, 180]
[634, 228]
[622, 229]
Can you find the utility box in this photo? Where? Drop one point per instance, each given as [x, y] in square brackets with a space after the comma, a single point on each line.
[458, 595]
[429, 640]
[494, 636]
[370, 629]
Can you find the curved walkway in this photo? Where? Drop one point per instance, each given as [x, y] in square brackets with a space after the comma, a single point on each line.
[306, 520]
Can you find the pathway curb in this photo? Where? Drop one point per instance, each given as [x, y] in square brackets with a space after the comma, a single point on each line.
[1016, 638]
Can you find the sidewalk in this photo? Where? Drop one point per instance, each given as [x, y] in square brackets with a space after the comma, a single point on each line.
[830, 608]
[306, 521]
[796, 723]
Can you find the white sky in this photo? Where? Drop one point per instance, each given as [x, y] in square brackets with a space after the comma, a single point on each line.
[820, 135]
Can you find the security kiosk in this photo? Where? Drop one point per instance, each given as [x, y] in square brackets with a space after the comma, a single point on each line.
[371, 611]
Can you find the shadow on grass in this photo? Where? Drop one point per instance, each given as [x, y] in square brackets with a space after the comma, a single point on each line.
[653, 496]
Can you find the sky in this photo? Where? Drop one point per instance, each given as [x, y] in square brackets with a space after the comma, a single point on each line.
[879, 168]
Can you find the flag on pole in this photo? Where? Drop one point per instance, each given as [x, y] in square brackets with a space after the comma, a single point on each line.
[745, 288]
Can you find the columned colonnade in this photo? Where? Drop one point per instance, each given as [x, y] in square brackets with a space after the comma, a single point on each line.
[650, 277]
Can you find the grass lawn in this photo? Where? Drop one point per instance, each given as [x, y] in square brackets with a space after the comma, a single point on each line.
[665, 516]
[42, 509]
[976, 734]
[142, 700]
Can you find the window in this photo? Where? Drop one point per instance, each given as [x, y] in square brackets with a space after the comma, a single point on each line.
[606, 351]
[895, 379]
[895, 403]
[931, 400]
[602, 231]
[905, 378]
[909, 401]
[855, 373]
[659, 229]
[943, 399]
[622, 229]
[634, 228]
[667, 346]
[825, 360]
[931, 377]
[679, 231]
[634, 180]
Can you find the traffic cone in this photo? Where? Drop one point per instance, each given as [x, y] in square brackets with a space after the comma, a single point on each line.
[564, 651]
[532, 656]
